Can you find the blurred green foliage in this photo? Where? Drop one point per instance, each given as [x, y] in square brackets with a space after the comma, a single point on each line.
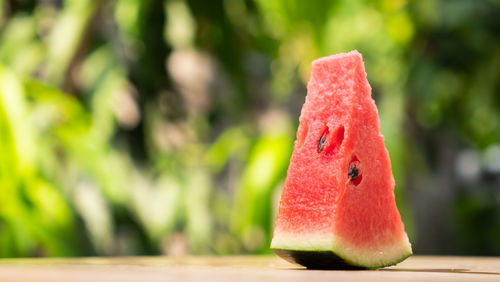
[148, 127]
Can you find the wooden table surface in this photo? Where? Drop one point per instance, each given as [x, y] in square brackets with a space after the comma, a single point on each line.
[239, 269]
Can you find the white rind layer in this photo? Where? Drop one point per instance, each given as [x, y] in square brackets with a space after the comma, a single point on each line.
[370, 258]
[310, 242]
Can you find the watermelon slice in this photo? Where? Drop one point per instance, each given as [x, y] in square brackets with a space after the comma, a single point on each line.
[337, 208]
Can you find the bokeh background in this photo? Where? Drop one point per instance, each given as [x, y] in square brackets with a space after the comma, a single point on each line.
[132, 127]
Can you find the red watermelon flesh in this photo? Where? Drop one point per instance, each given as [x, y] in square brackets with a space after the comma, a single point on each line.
[337, 208]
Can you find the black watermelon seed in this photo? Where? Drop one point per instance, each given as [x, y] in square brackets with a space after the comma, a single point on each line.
[353, 172]
[321, 143]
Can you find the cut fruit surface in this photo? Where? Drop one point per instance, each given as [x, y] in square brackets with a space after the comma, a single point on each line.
[338, 202]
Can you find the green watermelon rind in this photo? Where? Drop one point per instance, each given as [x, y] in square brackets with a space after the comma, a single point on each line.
[295, 244]
[328, 259]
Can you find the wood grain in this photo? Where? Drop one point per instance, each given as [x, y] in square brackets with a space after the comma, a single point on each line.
[240, 269]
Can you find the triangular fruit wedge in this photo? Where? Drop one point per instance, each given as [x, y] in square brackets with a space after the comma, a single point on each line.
[337, 208]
